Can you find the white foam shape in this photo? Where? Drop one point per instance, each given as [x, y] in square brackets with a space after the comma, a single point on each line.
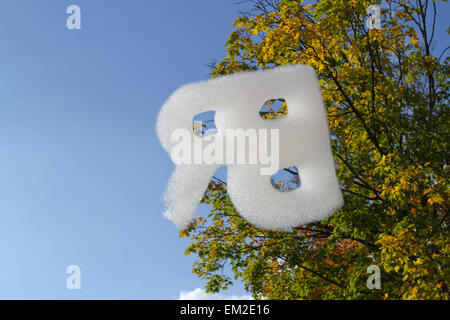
[304, 143]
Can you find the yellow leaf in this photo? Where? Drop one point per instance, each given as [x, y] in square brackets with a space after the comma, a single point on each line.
[435, 198]
[418, 262]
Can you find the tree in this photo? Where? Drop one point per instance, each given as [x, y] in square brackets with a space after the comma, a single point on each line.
[386, 94]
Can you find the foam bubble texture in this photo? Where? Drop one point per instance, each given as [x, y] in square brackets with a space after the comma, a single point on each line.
[304, 142]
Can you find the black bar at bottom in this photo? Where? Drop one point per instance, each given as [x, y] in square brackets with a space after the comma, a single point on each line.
[214, 309]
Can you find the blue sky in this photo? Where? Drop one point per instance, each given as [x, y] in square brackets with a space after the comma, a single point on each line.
[82, 173]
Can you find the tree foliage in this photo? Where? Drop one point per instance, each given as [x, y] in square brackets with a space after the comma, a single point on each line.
[386, 94]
